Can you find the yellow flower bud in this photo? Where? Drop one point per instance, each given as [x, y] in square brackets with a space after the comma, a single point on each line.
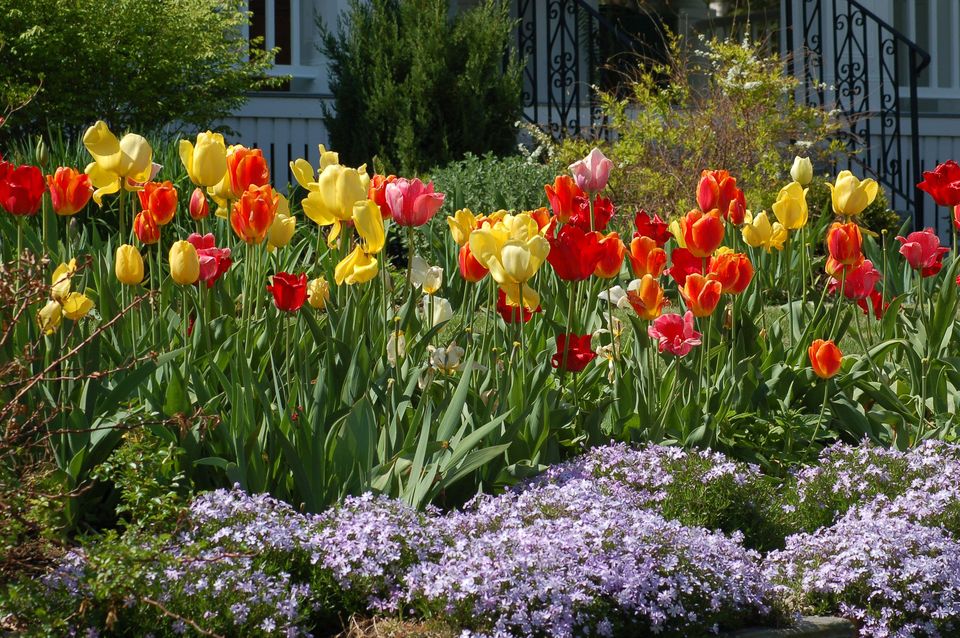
[184, 263]
[791, 206]
[802, 170]
[760, 233]
[281, 231]
[206, 163]
[318, 293]
[49, 317]
[60, 281]
[128, 265]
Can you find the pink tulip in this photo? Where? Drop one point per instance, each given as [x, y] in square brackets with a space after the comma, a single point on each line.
[214, 261]
[411, 202]
[923, 251]
[592, 172]
[675, 334]
[859, 283]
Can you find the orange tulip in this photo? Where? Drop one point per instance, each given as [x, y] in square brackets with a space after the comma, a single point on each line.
[702, 232]
[247, 167]
[160, 198]
[845, 245]
[701, 294]
[471, 269]
[541, 216]
[825, 357]
[562, 195]
[612, 252]
[646, 257]
[647, 300]
[253, 213]
[733, 270]
[70, 190]
[146, 228]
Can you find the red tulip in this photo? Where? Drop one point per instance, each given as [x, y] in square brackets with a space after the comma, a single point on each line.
[562, 195]
[733, 270]
[411, 202]
[859, 283]
[378, 192]
[646, 257]
[683, 265]
[160, 198]
[611, 256]
[253, 213]
[825, 358]
[923, 251]
[602, 213]
[701, 294]
[471, 269]
[573, 254]
[654, 228]
[877, 304]
[675, 334]
[956, 216]
[573, 352]
[146, 228]
[214, 262]
[512, 314]
[845, 246]
[702, 232]
[21, 190]
[70, 190]
[199, 206]
[289, 291]
[717, 190]
[247, 167]
[943, 184]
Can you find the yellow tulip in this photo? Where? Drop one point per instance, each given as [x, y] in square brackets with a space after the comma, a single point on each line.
[328, 158]
[513, 250]
[759, 233]
[184, 263]
[369, 224]
[802, 170]
[332, 197]
[791, 206]
[677, 231]
[49, 317]
[356, 268]
[318, 293]
[206, 163]
[128, 265]
[116, 162]
[281, 232]
[76, 305]
[850, 195]
[60, 281]
[461, 225]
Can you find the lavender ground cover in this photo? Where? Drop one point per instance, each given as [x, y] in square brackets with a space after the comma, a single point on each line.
[611, 543]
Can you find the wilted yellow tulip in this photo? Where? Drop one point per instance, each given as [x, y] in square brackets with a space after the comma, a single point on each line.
[60, 281]
[428, 277]
[802, 170]
[128, 265]
[356, 268]
[850, 195]
[76, 305]
[206, 163]
[396, 347]
[318, 293]
[303, 171]
[760, 233]
[126, 162]
[49, 317]
[436, 310]
[332, 197]
[184, 263]
[513, 250]
[791, 206]
[281, 231]
[369, 224]
[461, 224]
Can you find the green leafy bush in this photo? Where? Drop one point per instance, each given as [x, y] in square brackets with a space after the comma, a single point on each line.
[138, 65]
[415, 89]
[489, 183]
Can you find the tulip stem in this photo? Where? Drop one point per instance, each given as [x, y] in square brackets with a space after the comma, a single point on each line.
[923, 363]
[523, 359]
[789, 291]
[120, 220]
[286, 339]
[836, 318]
[823, 407]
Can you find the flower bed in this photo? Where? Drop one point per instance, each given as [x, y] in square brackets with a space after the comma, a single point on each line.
[606, 544]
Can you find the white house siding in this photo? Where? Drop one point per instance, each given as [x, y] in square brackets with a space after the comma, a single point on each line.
[939, 141]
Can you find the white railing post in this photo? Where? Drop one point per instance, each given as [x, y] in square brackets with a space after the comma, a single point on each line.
[270, 25]
[295, 32]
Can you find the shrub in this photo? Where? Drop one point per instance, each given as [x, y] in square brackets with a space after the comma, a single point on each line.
[489, 183]
[133, 64]
[415, 89]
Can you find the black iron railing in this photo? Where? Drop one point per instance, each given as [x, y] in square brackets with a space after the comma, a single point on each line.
[564, 46]
[850, 59]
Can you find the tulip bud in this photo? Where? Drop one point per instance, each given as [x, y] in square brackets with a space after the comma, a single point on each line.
[199, 206]
[281, 231]
[128, 266]
[184, 263]
[41, 153]
[146, 228]
[802, 170]
[318, 293]
[825, 358]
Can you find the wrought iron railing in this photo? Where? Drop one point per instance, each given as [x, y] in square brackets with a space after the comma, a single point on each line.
[850, 59]
[561, 44]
